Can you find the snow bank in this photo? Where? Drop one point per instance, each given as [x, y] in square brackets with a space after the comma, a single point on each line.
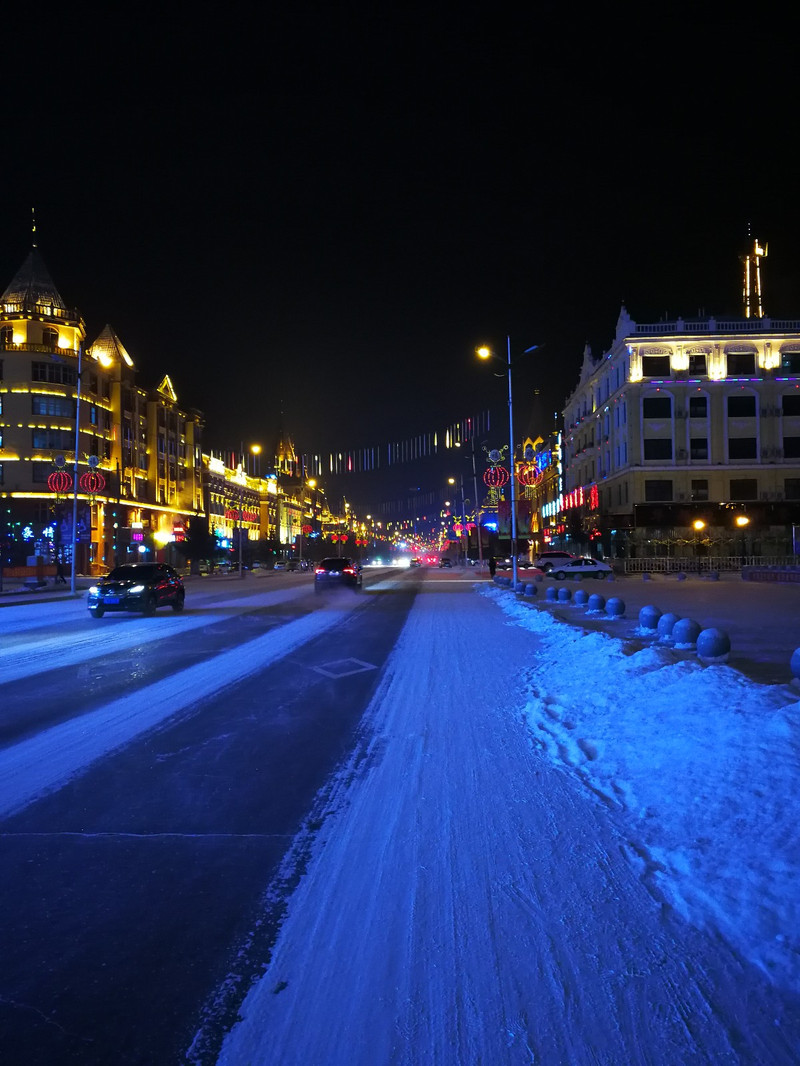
[704, 760]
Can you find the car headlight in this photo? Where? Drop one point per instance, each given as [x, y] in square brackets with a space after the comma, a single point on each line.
[94, 591]
[137, 588]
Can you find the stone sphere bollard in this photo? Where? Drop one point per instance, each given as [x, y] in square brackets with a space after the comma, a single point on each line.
[530, 590]
[564, 595]
[551, 595]
[666, 624]
[581, 597]
[713, 645]
[794, 663]
[597, 602]
[685, 632]
[519, 588]
[615, 607]
[681, 576]
[648, 617]
[646, 577]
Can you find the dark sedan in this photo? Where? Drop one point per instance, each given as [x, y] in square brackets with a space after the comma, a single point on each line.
[337, 573]
[137, 587]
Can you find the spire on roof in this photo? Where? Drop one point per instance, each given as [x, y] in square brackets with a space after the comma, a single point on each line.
[108, 349]
[32, 286]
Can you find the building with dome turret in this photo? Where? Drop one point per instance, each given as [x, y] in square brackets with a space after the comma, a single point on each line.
[80, 439]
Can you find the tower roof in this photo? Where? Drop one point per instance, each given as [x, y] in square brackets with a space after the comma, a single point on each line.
[32, 285]
[108, 348]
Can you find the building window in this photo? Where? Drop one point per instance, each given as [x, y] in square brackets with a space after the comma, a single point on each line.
[742, 448]
[741, 364]
[698, 407]
[700, 491]
[657, 407]
[658, 448]
[657, 491]
[50, 337]
[790, 362]
[6, 336]
[791, 447]
[697, 364]
[741, 406]
[60, 439]
[55, 373]
[40, 473]
[62, 406]
[699, 448]
[791, 487]
[656, 366]
[744, 489]
[790, 403]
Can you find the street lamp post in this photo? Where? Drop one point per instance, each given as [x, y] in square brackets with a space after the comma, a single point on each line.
[255, 449]
[487, 353]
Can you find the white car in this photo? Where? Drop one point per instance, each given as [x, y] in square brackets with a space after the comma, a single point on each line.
[579, 568]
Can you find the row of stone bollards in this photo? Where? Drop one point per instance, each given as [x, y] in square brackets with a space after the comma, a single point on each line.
[712, 645]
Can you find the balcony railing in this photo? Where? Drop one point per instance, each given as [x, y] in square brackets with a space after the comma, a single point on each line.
[51, 349]
[712, 325]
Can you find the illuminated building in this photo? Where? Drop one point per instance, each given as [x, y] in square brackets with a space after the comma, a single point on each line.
[138, 453]
[686, 421]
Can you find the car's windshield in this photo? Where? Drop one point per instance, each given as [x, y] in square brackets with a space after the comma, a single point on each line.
[131, 573]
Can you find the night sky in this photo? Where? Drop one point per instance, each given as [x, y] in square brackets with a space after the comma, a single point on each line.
[312, 219]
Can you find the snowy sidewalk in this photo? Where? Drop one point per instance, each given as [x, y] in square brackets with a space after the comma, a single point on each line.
[469, 900]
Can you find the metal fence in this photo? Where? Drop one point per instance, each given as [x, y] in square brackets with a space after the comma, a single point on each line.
[662, 564]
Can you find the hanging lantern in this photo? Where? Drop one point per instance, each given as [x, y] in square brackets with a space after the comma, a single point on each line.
[495, 477]
[306, 529]
[343, 538]
[334, 537]
[92, 482]
[59, 482]
[528, 474]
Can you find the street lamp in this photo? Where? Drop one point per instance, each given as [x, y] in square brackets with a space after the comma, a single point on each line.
[255, 449]
[487, 353]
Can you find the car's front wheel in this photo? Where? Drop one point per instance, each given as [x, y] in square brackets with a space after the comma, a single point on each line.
[601, 575]
[96, 612]
[560, 575]
[149, 606]
[177, 603]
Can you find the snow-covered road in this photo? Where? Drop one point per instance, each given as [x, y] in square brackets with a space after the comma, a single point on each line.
[476, 895]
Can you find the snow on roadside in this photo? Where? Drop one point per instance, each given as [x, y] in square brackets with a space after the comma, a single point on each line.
[705, 761]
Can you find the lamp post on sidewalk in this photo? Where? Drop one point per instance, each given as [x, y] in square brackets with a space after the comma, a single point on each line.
[255, 449]
[487, 353]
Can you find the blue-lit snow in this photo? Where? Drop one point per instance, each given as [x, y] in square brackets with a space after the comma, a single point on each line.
[462, 904]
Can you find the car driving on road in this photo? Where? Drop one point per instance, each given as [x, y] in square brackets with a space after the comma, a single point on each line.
[548, 560]
[137, 587]
[337, 573]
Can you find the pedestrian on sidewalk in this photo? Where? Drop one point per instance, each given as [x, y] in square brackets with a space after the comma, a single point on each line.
[492, 566]
[60, 575]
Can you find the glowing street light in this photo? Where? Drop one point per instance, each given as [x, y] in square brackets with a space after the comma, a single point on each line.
[255, 449]
[487, 353]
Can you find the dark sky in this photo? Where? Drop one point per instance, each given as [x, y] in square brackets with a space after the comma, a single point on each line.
[317, 216]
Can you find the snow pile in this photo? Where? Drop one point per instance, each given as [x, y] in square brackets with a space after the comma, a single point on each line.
[705, 761]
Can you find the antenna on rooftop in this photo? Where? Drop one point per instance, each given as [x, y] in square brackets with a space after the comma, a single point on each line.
[751, 288]
[33, 225]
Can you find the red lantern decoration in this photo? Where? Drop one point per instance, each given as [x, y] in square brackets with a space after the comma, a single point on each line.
[528, 474]
[59, 482]
[306, 529]
[343, 538]
[334, 537]
[496, 476]
[92, 482]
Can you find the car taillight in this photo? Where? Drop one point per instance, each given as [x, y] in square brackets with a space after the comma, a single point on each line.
[320, 570]
[348, 570]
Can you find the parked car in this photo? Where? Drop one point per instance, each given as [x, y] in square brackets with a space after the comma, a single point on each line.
[581, 567]
[445, 563]
[296, 565]
[415, 562]
[337, 573]
[137, 587]
[547, 560]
